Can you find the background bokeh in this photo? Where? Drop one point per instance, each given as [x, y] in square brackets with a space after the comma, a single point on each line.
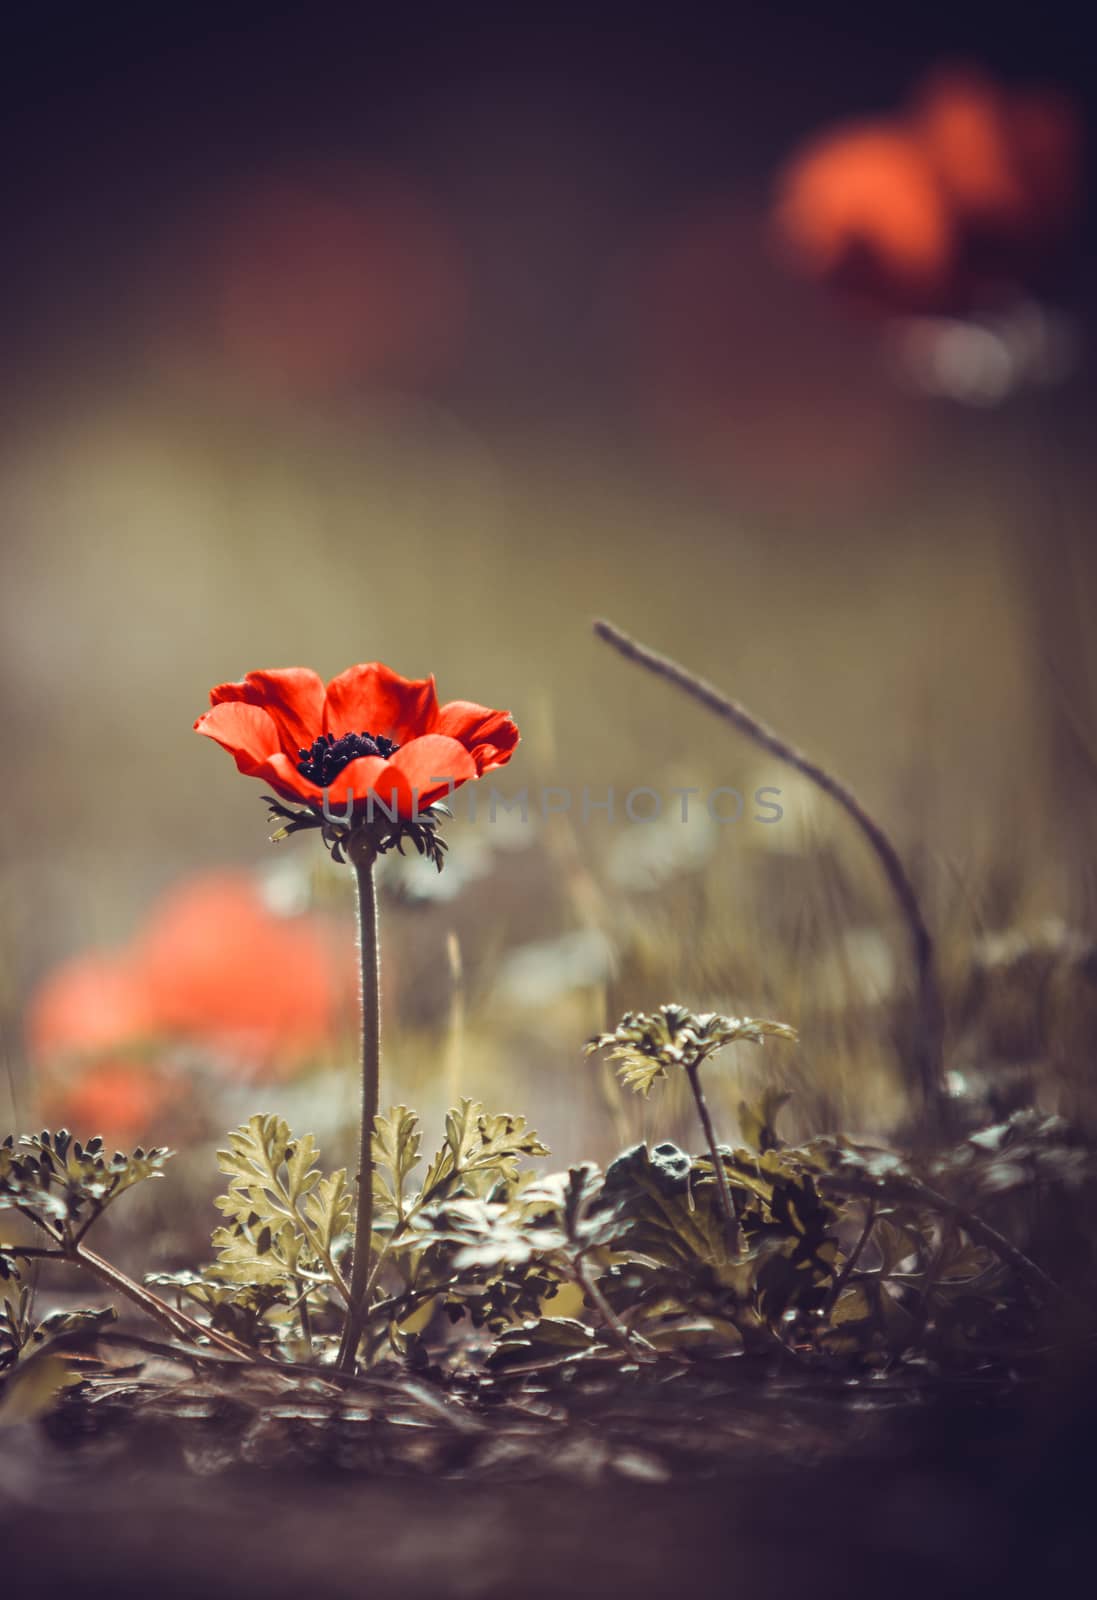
[334, 337]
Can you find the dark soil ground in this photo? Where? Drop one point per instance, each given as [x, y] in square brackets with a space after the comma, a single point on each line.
[763, 1486]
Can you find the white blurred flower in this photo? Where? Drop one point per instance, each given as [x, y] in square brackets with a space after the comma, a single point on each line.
[643, 857]
[537, 974]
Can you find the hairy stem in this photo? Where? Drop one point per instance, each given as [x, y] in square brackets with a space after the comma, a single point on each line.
[76, 1254]
[727, 1204]
[315, 1241]
[180, 1324]
[928, 1044]
[126, 1286]
[363, 858]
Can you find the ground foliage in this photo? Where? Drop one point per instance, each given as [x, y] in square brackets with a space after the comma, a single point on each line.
[856, 1260]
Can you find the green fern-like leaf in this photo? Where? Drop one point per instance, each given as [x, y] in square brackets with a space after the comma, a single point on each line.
[65, 1185]
[257, 1255]
[329, 1207]
[254, 1161]
[396, 1144]
[283, 1215]
[645, 1046]
[479, 1151]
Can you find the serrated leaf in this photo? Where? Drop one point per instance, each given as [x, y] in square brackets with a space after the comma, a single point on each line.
[284, 1216]
[302, 1172]
[242, 1258]
[329, 1207]
[646, 1046]
[256, 1152]
[501, 1141]
[65, 1185]
[854, 1305]
[396, 1144]
[265, 1164]
[897, 1247]
[480, 1150]
[637, 1072]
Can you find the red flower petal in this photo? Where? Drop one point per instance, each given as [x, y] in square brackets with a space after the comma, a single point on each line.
[245, 731]
[282, 775]
[373, 699]
[432, 765]
[251, 738]
[489, 736]
[422, 771]
[293, 696]
[368, 777]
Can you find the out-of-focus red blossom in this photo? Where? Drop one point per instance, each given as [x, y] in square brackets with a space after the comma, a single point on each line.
[963, 191]
[262, 990]
[282, 723]
[1009, 161]
[123, 1101]
[88, 1028]
[863, 206]
[93, 1003]
[214, 976]
[323, 277]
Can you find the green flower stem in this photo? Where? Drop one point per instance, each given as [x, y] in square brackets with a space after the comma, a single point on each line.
[727, 1204]
[180, 1324]
[363, 858]
[78, 1255]
[928, 1044]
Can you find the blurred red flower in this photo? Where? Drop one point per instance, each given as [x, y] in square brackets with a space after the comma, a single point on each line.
[213, 976]
[89, 1027]
[1008, 160]
[261, 990]
[93, 1003]
[959, 194]
[122, 1101]
[863, 207]
[370, 733]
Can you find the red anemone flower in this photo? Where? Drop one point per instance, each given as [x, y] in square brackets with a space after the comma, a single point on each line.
[369, 734]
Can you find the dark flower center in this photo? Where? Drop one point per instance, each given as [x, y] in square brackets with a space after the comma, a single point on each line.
[327, 757]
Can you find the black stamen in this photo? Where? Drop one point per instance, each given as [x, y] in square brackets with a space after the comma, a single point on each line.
[327, 757]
